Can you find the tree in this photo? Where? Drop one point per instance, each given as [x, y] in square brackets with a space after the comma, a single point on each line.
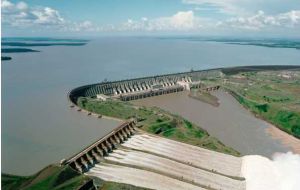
[296, 130]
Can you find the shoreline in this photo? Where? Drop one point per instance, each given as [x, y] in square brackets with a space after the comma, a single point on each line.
[273, 131]
[88, 113]
[284, 138]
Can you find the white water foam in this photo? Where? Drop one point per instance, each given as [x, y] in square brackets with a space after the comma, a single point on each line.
[282, 172]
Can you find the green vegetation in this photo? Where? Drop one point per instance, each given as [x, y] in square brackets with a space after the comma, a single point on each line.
[51, 177]
[250, 69]
[205, 97]
[58, 178]
[152, 120]
[156, 121]
[271, 95]
[106, 185]
[121, 186]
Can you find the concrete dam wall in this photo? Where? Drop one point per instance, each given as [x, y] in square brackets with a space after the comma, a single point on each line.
[144, 87]
[154, 162]
[129, 155]
[93, 154]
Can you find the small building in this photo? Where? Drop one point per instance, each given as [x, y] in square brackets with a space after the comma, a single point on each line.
[102, 97]
[189, 85]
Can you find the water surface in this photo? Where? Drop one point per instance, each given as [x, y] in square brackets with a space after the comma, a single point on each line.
[38, 127]
[230, 122]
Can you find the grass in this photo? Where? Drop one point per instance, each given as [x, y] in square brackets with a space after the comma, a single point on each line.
[57, 178]
[157, 121]
[106, 185]
[286, 120]
[269, 96]
[51, 177]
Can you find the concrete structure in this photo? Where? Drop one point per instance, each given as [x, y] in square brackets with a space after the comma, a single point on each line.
[188, 85]
[145, 87]
[149, 93]
[134, 157]
[154, 162]
[102, 97]
[211, 88]
[93, 154]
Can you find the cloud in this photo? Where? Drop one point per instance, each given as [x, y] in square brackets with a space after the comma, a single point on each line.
[291, 18]
[84, 26]
[47, 16]
[187, 21]
[224, 6]
[280, 173]
[21, 15]
[261, 21]
[181, 21]
[22, 6]
[246, 7]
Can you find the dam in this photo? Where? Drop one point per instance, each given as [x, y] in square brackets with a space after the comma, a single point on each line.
[138, 88]
[130, 155]
[93, 153]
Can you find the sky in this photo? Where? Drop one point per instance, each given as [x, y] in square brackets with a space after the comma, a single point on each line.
[267, 18]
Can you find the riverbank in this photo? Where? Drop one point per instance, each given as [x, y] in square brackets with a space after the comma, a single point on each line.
[285, 120]
[229, 122]
[157, 121]
[284, 138]
[270, 95]
[277, 133]
[59, 178]
[153, 120]
[51, 177]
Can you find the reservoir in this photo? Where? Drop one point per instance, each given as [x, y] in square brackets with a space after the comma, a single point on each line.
[39, 127]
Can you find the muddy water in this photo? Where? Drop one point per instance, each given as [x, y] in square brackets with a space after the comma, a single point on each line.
[230, 122]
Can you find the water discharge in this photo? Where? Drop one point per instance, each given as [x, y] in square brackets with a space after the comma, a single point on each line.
[279, 173]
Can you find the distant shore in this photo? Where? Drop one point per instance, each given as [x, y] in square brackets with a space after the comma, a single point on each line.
[18, 50]
[5, 58]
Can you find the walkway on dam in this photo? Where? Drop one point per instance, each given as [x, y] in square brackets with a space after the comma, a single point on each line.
[154, 162]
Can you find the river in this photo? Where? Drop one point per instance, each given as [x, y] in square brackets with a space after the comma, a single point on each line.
[229, 122]
[39, 127]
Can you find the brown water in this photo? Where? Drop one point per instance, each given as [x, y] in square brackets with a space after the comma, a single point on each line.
[230, 122]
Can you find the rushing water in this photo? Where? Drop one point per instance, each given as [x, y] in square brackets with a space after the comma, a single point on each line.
[38, 127]
[230, 122]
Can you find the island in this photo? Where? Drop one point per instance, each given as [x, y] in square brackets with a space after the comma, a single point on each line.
[5, 58]
[17, 50]
[35, 44]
